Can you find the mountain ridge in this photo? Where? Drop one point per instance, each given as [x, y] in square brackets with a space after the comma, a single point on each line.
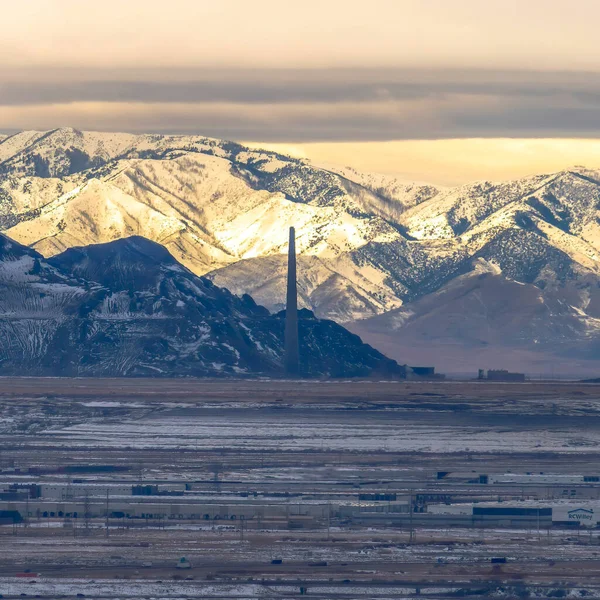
[368, 244]
[128, 308]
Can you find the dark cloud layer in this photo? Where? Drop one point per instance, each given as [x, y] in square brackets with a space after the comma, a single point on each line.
[335, 105]
[281, 86]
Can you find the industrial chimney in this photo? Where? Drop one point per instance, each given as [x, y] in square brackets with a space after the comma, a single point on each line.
[292, 366]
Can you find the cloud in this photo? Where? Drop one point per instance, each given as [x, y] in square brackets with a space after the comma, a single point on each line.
[308, 105]
[282, 86]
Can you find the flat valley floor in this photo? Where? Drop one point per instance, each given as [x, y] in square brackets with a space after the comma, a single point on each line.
[294, 443]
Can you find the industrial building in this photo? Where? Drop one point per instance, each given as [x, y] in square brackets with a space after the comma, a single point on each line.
[423, 373]
[118, 502]
[532, 485]
[524, 514]
[500, 375]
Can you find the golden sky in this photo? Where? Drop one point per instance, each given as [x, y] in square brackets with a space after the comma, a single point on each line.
[451, 162]
[438, 90]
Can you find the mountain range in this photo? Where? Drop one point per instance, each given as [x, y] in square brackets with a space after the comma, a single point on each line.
[483, 275]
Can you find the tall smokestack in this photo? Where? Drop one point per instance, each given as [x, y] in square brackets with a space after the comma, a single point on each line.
[292, 366]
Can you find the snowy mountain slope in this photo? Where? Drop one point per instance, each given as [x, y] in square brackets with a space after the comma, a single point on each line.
[59, 152]
[407, 194]
[10, 145]
[94, 212]
[128, 308]
[35, 301]
[22, 198]
[540, 235]
[66, 151]
[333, 288]
[451, 213]
[213, 203]
[568, 199]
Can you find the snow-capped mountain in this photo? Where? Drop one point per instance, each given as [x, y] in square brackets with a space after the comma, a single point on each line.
[368, 244]
[128, 308]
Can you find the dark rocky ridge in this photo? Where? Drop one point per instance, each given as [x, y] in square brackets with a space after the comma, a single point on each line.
[127, 308]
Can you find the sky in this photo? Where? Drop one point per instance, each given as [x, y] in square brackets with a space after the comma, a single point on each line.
[434, 90]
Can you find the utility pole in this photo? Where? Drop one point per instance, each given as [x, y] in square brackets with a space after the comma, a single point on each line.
[216, 471]
[411, 534]
[107, 512]
[86, 514]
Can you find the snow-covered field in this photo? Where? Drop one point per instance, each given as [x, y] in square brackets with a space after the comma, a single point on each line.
[231, 432]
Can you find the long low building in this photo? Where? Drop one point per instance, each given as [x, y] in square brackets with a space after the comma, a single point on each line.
[476, 477]
[529, 514]
[155, 508]
[61, 491]
[547, 486]
[515, 514]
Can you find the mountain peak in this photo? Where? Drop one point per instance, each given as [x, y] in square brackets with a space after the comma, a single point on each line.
[134, 262]
[67, 131]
